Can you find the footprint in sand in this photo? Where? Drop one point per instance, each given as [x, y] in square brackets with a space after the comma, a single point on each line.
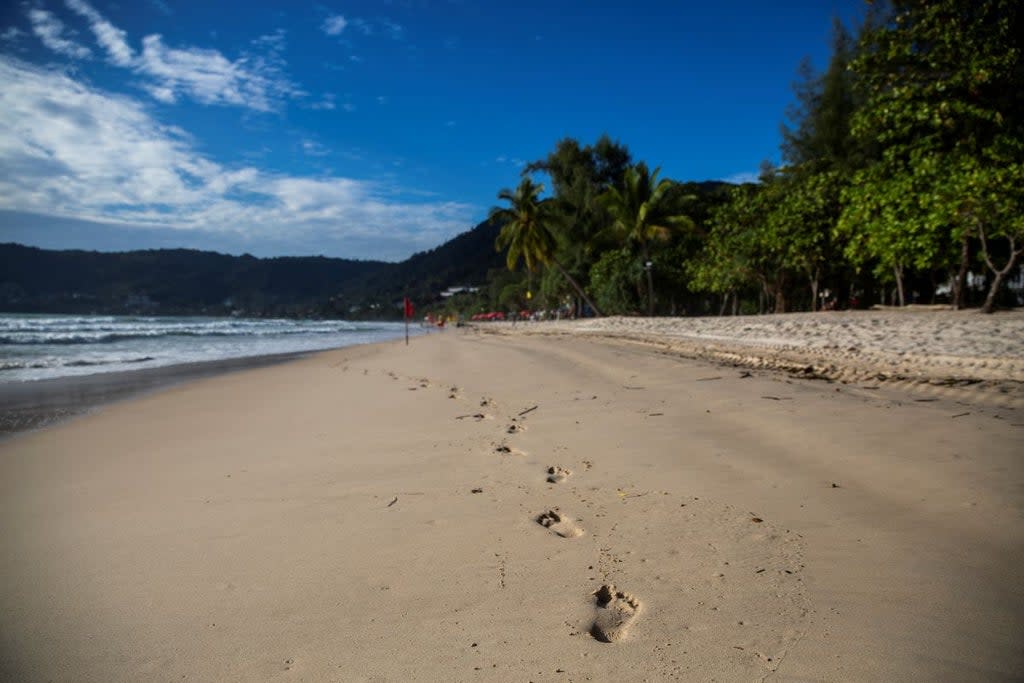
[560, 524]
[616, 611]
[556, 474]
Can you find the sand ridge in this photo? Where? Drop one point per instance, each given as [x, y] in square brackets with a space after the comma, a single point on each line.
[919, 346]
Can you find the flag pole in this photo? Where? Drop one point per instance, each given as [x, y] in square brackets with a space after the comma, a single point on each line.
[407, 313]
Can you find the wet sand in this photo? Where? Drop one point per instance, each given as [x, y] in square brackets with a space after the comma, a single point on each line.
[526, 507]
[25, 406]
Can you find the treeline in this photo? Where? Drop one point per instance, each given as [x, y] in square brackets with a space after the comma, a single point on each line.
[902, 181]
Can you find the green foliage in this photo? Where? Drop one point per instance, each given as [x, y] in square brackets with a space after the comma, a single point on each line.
[527, 232]
[613, 282]
[941, 84]
[642, 212]
[526, 226]
[900, 215]
[936, 74]
[733, 256]
[819, 135]
[579, 175]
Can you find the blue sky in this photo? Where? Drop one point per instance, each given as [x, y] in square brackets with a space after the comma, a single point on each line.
[365, 130]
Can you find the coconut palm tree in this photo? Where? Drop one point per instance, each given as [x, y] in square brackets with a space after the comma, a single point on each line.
[642, 213]
[527, 232]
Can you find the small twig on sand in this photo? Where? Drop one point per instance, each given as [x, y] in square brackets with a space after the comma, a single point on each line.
[706, 379]
[959, 415]
[777, 398]
[528, 410]
[395, 500]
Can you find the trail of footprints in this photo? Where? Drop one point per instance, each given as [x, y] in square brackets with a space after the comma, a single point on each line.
[615, 610]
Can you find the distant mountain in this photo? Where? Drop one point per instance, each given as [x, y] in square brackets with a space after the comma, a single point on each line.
[189, 282]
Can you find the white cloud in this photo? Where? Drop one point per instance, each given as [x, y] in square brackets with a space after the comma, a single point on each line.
[396, 31]
[111, 38]
[334, 25]
[50, 31]
[314, 149]
[742, 177]
[514, 161]
[72, 151]
[161, 93]
[210, 78]
[326, 103]
[11, 34]
[255, 81]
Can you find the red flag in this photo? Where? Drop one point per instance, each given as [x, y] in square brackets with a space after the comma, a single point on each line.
[408, 309]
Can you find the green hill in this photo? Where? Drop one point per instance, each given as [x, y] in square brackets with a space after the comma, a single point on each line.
[189, 282]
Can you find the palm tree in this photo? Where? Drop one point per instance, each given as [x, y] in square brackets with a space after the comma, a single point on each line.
[527, 233]
[641, 213]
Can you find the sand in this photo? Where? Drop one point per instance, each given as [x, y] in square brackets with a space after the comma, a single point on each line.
[523, 507]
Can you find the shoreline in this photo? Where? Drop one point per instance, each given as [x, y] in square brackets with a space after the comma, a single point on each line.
[799, 345]
[36, 404]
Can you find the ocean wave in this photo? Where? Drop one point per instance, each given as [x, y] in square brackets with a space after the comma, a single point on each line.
[62, 338]
[76, 363]
[36, 347]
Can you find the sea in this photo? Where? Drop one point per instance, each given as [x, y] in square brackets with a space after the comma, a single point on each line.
[39, 346]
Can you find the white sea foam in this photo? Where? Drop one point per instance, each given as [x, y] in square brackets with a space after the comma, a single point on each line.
[45, 346]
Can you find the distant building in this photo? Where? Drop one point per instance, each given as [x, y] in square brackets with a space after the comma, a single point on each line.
[452, 291]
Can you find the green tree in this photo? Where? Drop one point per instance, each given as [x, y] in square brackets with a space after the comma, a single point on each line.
[943, 95]
[820, 155]
[800, 225]
[641, 213]
[579, 175]
[613, 280]
[755, 240]
[526, 233]
[819, 132]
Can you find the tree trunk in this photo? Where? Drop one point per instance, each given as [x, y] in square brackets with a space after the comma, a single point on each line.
[780, 294]
[579, 290]
[725, 304]
[898, 271]
[1000, 274]
[650, 281]
[735, 303]
[990, 299]
[814, 290]
[960, 282]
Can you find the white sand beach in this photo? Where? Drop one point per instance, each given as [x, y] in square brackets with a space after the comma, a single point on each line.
[620, 499]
